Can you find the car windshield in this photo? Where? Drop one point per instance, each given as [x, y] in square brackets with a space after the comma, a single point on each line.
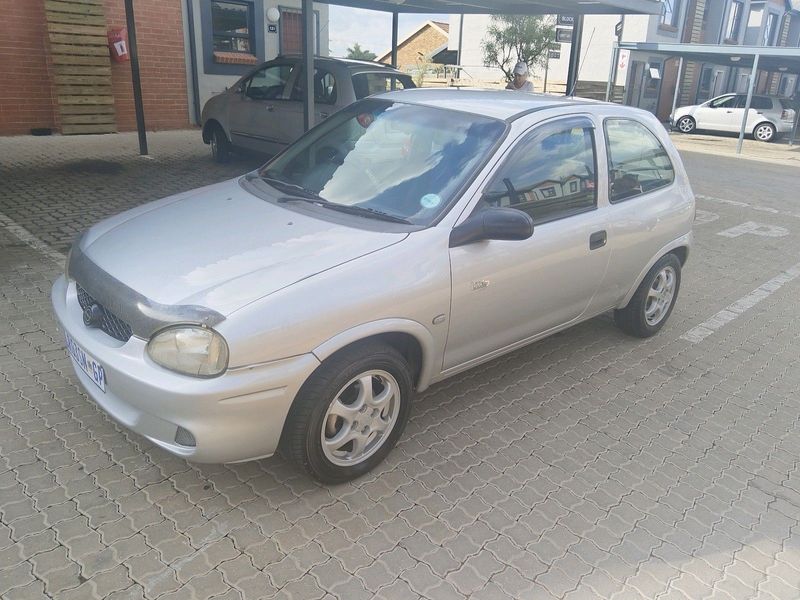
[401, 161]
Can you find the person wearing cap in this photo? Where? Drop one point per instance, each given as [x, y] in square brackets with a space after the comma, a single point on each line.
[520, 81]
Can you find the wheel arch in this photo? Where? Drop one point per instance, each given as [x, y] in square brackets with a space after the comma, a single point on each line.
[209, 126]
[679, 247]
[410, 338]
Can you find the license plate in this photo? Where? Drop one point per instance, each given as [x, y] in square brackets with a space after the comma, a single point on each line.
[87, 364]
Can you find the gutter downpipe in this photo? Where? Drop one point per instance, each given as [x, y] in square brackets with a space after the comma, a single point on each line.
[193, 57]
[750, 87]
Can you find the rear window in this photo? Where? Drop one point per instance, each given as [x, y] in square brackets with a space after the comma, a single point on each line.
[761, 103]
[367, 84]
[637, 162]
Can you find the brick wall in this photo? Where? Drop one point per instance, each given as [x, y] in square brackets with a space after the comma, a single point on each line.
[159, 34]
[426, 41]
[27, 93]
[26, 99]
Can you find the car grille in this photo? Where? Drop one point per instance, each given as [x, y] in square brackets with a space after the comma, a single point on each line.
[110, 324]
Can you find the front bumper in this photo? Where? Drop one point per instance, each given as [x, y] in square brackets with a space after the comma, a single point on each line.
[235, 417]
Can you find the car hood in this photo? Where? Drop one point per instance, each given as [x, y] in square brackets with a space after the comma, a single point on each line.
[221, 247]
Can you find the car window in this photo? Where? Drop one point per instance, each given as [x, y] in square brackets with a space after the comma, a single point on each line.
[404, 160]
[723, 102]
[325, 91]
[269, 83]
[550, 174]
[761, 103]
[366, 84]
[637, 162]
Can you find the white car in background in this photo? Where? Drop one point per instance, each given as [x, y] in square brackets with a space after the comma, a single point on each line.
[768, 118]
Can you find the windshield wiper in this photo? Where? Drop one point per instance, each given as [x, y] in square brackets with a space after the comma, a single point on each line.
[362, 211]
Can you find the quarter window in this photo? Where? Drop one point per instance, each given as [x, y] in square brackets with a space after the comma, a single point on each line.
[759, 103]
[637, 162]
[551, 174]
[231, 24]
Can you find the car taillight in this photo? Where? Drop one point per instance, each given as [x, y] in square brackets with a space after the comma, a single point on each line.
[784, 115]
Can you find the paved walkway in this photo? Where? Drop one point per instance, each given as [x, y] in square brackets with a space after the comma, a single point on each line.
[589, 465]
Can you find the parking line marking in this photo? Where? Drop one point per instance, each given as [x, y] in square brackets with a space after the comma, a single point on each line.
[765, 209]
[26, 237]
[743, 304]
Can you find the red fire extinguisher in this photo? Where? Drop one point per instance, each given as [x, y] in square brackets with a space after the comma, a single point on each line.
[118, 44]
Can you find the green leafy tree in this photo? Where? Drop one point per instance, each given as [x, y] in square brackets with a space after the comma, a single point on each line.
[513, 38]
[359, 53]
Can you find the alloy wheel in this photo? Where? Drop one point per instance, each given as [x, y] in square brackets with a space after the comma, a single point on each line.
[360, 418]
[659, 296]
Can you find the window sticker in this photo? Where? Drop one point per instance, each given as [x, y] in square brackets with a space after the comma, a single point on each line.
[430, 201]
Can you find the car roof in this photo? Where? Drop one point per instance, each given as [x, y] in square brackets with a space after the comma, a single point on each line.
[498, 104]
[351, 63]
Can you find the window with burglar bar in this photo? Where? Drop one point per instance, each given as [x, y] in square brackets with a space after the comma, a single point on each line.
[231, 24]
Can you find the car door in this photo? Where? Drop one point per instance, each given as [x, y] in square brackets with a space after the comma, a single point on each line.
[255, 116]
[507, 292]
[326, 94]
[645, 210]
[716, 114]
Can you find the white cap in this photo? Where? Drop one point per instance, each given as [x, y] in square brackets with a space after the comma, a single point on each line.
[520, 68]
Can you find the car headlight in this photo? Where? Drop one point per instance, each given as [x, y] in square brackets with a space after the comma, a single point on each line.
[190, 349]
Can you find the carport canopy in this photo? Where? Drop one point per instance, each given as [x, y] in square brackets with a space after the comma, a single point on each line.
[782, 59]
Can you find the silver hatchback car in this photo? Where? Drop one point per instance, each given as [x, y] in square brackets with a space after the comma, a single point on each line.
[409, 237]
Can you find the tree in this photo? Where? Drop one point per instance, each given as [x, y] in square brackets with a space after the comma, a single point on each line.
[360, 53]
[516, 38]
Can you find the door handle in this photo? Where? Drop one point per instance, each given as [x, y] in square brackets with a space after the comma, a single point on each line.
[270, 107]
[597, 240]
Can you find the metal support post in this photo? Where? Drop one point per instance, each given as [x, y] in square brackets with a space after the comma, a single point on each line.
[574, 55]
[137, 82]
[612, 71]
[677, 86]
[394, 46]
[750, 87]
[308, 64]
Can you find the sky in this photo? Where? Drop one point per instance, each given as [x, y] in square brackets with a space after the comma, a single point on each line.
[371, 29]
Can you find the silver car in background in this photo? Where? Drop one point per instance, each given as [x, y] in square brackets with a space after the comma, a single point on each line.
[409, 237]
[263, 111]
[768, 118]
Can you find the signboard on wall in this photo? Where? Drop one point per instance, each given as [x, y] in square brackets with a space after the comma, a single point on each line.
[624, 57]
[566, 20]
[563, 35]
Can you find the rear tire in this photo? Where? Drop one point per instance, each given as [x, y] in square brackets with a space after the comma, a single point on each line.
[686, 125]
[350, 413]
[652, 304]
[765, 132]
[220, 146]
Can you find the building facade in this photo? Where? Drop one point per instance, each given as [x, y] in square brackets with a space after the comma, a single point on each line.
[58, 71]
[649, 80]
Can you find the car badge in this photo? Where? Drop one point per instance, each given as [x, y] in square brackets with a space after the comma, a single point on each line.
[93, 315]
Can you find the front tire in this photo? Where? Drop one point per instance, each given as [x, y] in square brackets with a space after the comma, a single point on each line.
[764, 132]
[686, 124]
[220, 146]
[350, 413]
[651, 305]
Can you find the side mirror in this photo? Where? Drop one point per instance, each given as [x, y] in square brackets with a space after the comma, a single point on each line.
[493, 224]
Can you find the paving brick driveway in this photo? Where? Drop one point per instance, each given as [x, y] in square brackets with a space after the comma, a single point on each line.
[589, 465]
